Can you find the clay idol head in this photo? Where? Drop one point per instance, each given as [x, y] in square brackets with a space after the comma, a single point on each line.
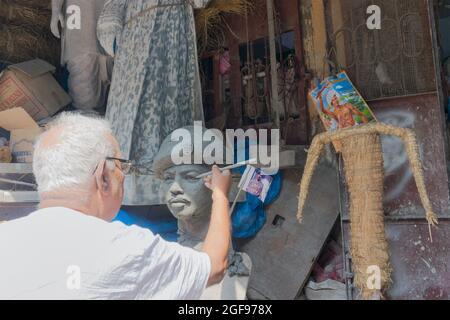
[184, 193]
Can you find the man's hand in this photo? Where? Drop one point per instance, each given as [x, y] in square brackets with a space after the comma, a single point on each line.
[217, 241]
[219, 182]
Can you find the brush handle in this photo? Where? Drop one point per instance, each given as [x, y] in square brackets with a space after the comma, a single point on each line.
[233, 166]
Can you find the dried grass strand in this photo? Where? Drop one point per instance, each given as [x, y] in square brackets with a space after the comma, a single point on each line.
[210, 21]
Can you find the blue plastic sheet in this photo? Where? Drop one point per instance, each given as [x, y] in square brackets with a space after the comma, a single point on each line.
[167, 229]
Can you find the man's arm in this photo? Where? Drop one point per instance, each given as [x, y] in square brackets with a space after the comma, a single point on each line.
[218, 238]
[325, 111]
[322, 107]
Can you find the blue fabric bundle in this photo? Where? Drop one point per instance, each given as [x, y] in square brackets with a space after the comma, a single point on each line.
[167, 229]
[249, 217]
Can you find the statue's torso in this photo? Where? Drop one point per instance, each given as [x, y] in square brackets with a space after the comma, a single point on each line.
[231, 287]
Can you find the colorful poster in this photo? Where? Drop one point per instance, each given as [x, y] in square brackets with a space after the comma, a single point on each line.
[340, 105]
[256, 182]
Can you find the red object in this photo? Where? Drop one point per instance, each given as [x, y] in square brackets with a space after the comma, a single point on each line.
[224, 63]
[330, 265]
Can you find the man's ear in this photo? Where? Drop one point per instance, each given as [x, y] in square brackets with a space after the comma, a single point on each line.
[103, 177]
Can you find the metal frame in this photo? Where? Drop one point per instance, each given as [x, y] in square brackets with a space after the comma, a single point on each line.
[363, 49]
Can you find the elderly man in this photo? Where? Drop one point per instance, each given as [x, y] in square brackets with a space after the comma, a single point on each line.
[69, 249]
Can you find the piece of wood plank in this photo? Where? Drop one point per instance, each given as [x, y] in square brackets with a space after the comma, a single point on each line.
[290, 156]
[284, 251]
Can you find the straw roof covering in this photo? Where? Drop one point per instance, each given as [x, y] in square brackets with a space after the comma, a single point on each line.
[25, 31]
[210, 21]
[25, 28]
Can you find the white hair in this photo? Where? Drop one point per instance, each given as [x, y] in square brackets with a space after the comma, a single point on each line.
[70, 162]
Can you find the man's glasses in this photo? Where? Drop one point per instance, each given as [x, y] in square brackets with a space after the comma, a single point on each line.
[125, 165]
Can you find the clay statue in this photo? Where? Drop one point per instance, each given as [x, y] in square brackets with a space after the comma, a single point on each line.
[89, 68]
[190, 202]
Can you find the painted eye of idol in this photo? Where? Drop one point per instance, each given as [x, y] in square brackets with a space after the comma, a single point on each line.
[168, 176]
[187, 173]
[191, 175]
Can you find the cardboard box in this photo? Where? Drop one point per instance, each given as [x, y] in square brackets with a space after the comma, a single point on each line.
[24, 131]
[31, 86]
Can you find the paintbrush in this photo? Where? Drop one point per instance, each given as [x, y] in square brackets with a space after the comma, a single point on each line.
[233, 166]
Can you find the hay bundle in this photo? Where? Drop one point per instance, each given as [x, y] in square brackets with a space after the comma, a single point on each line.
[25, 13]
[210, 21]
[19, 44]
[37, 4]
[363, 165]
[25, 31]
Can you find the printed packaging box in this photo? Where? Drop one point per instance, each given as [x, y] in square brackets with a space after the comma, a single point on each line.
[31, 86]
[24, 131]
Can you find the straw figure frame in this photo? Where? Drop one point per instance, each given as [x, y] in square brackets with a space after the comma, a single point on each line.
[363, 164]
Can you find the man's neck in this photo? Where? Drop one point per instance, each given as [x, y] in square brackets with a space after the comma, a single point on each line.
[77, 201]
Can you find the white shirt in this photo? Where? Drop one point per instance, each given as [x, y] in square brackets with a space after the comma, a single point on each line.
[59, 253]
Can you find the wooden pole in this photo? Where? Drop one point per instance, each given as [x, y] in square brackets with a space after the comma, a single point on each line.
[273, 63]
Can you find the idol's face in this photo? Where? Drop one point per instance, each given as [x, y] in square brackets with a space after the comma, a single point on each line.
[185, 195]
